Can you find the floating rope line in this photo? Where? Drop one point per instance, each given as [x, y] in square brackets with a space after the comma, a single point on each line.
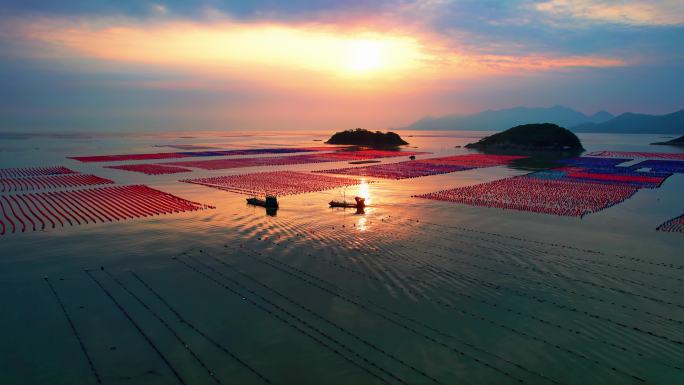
[522, 294]
[636, 155]
[72, 326]
[291, 324]
[138, 328]
[494, 305]
[426, 167]
[322, 318]
[151, 169]
[85, 206]
[406, 327]
[166, 325]
[172, 155]
[563, 257]
[200, 332]
[632, 259]
[675, 225]
[277, 183]
[27, 172]
[51, 182]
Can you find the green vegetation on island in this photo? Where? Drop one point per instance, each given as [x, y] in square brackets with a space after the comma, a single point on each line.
[674, 142]
[361, 137]
[531, 137]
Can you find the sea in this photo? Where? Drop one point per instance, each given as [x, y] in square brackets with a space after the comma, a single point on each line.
[413, 291]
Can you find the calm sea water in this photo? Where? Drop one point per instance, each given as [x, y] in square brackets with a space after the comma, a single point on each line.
[414, 291]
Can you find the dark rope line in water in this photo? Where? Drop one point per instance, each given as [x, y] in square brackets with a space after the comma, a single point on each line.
[308, 324]
[521, 314]
[555, 346]
[138, 328]
[566, 259]
[634, 259]
[326, 320]
[167, 326]
[198, 331]
[603, 301]
[423, 335]
[284, 320]
[477, 316]
[91, 365]
[562, 276]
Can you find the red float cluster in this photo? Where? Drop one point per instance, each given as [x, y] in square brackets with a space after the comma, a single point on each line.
[675, 225]
[51, 181]
[548, 196]
[151, 169]
[634, 155]
[220, 164]
[24, 172]
[38, 211]
[425, 167]
[276, 183]
[172, 155]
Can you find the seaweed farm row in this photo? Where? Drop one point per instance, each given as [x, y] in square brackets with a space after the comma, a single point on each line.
[541, 195]
[275, 183]
[425, 167]
[675, 225]
[172, 155]
[464, 298]
[42, 210]
[24, 172]
[51, 182]
[339, 156]
[150, 169]
[585, 185]
[636, 155]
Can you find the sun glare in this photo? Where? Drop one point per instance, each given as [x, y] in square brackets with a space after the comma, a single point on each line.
[365, 55]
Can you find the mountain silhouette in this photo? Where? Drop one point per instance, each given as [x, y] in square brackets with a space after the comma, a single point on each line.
[497, 120]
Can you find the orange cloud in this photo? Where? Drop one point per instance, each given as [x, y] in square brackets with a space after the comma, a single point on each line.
[667, 12]
[298, 55]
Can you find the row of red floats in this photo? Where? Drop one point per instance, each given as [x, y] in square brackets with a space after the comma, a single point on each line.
[425, 167]
[338, 156]
[547, 196]
[41, 210]
[26, 172]
[50, 181]
[276, 183]
[675, 225]
[150, 169]
[636, 155]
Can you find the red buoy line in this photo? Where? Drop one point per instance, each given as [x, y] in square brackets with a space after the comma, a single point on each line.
[25, 172]
[50, 182]
[36, 210]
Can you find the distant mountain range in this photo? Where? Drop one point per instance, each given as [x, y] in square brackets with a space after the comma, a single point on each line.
[498, 120]
[631, 123]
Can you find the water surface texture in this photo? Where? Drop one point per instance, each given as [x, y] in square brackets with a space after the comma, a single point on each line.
[413, 291]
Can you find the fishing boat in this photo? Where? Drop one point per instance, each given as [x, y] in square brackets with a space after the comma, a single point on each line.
[269, 202]
[359, 203]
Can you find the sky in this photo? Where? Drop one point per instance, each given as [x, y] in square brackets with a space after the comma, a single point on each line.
[110, 65]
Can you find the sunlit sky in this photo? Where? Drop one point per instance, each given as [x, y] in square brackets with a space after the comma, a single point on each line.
[284, 65]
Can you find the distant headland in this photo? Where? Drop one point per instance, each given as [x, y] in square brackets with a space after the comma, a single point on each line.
[531, 137]
[361, 137]
[674, 142]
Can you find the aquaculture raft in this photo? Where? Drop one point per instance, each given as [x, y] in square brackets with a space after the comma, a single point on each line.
[24, 172]
[548, 196]
[675, 225]
[276, 183]
[41, 210]
[51, 181]
[151, 169]
[425, 167]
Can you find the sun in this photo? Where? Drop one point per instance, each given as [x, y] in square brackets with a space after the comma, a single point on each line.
[364, 55]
